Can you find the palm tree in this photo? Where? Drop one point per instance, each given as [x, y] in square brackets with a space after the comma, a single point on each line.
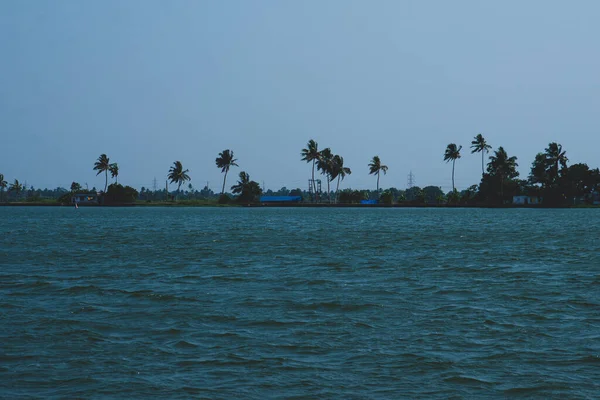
[248, 190]
[178, 175]
[325, 165]
[452, 154]
[555, 158]
[375, 167]
[102, 165]
[225, 161]
[114, 171]
[479, 145]
[3, 184]
[311, 153]
[338, 171]
[16, 187]
[502, 166]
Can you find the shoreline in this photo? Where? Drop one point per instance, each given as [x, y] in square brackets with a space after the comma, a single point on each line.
[297, 205]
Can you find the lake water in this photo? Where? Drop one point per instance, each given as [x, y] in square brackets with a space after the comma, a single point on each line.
[259, 303]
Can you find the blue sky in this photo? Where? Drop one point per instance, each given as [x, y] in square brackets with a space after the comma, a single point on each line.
[150, 82]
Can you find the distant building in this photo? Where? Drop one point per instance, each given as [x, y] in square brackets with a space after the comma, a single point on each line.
[525, 200]
[368, 202]
[84, 198]
[280, 199]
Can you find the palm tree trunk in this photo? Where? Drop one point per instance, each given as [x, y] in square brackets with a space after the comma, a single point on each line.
[377, 184]
[453, 189]
[105, 180]
[313, 182]
[224, 179]
[337, 189]
[328, 191]
[482, 170]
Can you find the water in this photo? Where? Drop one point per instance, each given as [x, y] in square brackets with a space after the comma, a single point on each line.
[219, 303]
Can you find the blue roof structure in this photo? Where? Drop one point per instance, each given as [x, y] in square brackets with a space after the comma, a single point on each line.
[368, 202]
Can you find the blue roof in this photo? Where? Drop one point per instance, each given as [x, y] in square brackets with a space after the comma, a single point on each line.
[368, 202]
[280, 199]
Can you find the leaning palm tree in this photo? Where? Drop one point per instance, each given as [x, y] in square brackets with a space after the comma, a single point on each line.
[102, 165]
[452, 154]
[311, 153]
[16, 187]
[375, 167]
[178, 175]
[114, 171]
[3, 184]
[479, 145]
[225, 161]
[325, 165]
[338, 171]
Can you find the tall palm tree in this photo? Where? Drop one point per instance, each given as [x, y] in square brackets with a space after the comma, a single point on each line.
[178, 175]
[325, 165]
[479, 145]
[311, 153]
[555, 158]
[16, 187]
[3, 184]
[338, 171]
[102, 165]
[375, 167]
[452, 154]
[114, 171]
[225, 161]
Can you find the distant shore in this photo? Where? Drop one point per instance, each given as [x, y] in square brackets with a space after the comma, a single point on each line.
[290, 205]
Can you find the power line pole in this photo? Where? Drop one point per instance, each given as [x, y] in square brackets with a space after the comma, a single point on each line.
[412, 182]
[154, 184]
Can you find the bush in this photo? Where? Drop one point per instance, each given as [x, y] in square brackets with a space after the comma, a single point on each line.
[119, 194]
[224, 199]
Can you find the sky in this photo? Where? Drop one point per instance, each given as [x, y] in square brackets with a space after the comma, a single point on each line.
[149, 82]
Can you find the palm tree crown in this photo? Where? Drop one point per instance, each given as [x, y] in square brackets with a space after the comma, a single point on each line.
[325, 165]
[375, 167]
[339, 171]
[311, 154]
[556, 159]
[102, 165]
[114, 171]
[16, 187]
[178, 175]
[225, 161]
[452, 154]
[479, 145]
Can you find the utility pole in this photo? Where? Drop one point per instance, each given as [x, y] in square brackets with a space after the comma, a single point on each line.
[411, 180]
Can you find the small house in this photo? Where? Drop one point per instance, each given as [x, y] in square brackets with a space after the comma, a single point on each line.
[526, 200]
[84, 198]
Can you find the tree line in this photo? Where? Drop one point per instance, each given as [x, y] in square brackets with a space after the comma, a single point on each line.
[551, 180]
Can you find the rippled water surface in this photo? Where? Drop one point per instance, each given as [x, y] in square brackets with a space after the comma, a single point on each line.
[224, 303]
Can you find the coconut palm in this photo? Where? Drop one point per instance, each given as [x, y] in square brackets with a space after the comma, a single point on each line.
[103, 165]
[338, 171]
[555, 158]
[248, 190]
[375, 168]
[114, 171]
[479, 145]
[16, 187]
[225, 161]
[178, 175]
[502, 166]
[311, 153]
[452, 154]
[3, 184]
[325, 165]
